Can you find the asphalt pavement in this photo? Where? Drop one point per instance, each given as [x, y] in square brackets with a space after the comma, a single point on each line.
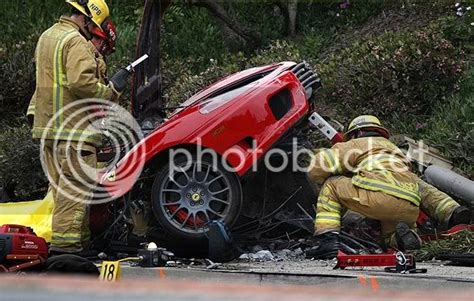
[303, 280]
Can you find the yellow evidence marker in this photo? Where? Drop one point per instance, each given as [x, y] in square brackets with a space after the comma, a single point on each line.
[110, 271]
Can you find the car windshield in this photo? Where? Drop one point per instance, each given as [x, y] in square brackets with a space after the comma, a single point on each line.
[214, 102]
[235, 87]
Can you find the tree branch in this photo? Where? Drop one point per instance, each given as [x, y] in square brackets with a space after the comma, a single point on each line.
[249, 36]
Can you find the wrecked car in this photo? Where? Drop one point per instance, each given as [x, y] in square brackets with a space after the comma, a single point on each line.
[240, 118]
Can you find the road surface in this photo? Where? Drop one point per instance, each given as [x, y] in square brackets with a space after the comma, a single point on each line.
[304, 280]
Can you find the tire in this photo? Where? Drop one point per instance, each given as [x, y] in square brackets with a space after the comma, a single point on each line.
[186, 199]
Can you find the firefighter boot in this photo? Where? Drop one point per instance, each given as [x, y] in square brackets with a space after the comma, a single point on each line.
[328, 246]
[406, 238]
[460, 215]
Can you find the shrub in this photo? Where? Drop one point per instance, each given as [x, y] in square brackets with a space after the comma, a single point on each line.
[404, 73]
[22, 23]
[451, 128]
[313, 44]
[20, 166]
[276, 51]
[17, 75]
[180, 82]
[330, 16]
[458, 29]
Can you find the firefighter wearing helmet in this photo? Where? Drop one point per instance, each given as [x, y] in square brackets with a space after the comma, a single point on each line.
[69, 68]
[367, 174]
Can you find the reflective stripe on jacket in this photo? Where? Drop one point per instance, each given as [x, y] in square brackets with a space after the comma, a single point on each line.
[101, 74]
[374, 163]
[66, 71]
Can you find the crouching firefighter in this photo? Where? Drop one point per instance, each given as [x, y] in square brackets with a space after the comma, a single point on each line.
[367, 174]
[68, 70]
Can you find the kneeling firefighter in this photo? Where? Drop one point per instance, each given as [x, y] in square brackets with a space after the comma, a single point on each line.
[367, 174]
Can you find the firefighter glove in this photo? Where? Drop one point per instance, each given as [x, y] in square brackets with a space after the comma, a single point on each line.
[119, 80]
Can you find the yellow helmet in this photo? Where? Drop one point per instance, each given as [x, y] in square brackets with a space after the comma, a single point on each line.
[97, 10]
[366, 122]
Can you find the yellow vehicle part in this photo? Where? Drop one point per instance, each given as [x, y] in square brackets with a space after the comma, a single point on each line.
[34, 214]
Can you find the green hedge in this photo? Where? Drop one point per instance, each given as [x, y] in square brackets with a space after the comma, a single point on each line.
[451, 126]
[396, 73]
[21, 170]
[17, 75]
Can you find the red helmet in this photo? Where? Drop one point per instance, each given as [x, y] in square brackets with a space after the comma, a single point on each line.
[109, 35]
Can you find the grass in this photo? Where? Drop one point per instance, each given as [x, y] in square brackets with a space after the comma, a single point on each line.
[126, 16]
[190, 34]
[459, 243]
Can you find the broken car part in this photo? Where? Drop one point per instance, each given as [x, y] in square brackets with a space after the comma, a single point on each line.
[221, 245]
[185, 198]
[421, 153]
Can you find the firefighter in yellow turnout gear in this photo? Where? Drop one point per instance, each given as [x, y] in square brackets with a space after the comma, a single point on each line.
[68, 70]
[367, 174]
[102, 44]
[101, 72]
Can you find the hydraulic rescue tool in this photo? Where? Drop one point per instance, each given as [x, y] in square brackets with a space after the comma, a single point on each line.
[325, 128]
[119, 79]
[21, 248]
[394, 263]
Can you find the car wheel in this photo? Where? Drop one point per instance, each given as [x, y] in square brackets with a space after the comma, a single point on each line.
[188, 195]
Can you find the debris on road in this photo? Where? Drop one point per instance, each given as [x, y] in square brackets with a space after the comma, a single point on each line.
[263, 255]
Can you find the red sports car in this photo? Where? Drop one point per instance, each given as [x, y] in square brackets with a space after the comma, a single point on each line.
[240, 118]
[236, 122]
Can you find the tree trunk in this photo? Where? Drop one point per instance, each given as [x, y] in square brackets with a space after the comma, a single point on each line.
[227, 22]
[292, 13]
[232, 39]
[289, 10]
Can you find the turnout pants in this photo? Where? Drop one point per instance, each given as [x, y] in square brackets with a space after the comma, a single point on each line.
[437, 204]
[339, 194]
[72, 177]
